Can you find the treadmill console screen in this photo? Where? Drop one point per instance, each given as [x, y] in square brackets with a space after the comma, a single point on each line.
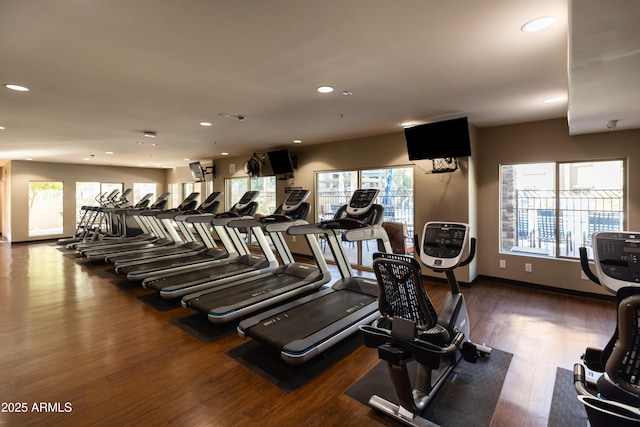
[361, 201]
[246, 198]
[617, 259]
[212, 197]
[294, 200]
[443, 243]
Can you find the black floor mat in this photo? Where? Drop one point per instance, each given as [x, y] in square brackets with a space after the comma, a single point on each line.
[267, 363]
[125, 285]
[566, 409]
[468, 398]
[199, 326]
[155, 301]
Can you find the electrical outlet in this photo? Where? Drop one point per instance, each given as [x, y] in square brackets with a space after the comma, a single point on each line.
[503, 263]
[528, 267]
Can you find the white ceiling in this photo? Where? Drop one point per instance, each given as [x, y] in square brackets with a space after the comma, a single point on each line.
[102, 72]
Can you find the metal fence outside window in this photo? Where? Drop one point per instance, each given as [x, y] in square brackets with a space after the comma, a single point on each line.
[545, 230]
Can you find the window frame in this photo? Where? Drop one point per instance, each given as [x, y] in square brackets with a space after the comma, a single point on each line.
[575, 241]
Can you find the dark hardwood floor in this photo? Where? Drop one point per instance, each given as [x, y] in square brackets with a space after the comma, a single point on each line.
[69, 336]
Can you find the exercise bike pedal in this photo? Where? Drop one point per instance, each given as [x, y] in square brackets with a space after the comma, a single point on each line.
[470, 352]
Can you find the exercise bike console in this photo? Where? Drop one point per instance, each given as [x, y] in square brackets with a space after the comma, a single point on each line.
[617, 259]
[442, 244]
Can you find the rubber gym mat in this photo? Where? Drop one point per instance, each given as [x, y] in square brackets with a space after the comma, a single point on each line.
[267, 363]
[566, 409]
[155, 301]
[468, 397]
[199, 326]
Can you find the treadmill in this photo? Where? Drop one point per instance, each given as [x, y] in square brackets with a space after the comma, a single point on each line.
[156, 232]
[306, 327]
[290, 280]
[145, 256]
[107, 236]
[233, 245]
[218, 272]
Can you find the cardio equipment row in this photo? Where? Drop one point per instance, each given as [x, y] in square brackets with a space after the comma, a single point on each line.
[289, 306]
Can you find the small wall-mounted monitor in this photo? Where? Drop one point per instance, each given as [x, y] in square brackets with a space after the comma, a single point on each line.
[197, 171]
[445, 139]
[281, 162]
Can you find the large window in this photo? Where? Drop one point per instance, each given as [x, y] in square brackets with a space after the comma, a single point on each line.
[333, 189]
[551, 209]
[141, 189]
[174, 190]
[45, 208]
[236, 187]
[87, 194]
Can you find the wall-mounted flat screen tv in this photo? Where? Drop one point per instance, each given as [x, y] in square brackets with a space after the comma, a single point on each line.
[197, 171]
[281, 162]
[445, 139]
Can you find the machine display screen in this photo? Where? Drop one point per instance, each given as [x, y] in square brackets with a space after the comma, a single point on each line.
[444, 242]
[295, 197]
[362, 198]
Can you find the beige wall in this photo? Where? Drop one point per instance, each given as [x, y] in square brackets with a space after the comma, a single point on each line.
[468, 195]
[438, 196]
[21, 172]
[541, 142]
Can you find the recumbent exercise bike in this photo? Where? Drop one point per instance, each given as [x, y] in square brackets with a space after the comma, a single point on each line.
[616, 397]
[409, 327]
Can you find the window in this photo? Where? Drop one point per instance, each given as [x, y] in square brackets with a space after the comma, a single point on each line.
[87, 194]
[174, 189]
[333, 189]
[107, 187]
[551, 209]
[45, 208]
[141, 189]
[187, 189]
[236, 187]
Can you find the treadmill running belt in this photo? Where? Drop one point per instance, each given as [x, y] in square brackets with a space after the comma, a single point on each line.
[263, 287]
[165, 264]
[305, 319]
[203, 275]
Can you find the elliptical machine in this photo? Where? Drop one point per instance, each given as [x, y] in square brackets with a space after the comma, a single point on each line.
[409, 327]
[616, 397]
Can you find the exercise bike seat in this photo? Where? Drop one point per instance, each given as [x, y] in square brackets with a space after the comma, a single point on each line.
[408, 318]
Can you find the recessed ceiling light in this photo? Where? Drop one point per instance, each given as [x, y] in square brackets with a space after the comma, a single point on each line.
[225, 154]
[406, 124]
[1, 127]
[206, 124]
[325, 89]
[347, 93]
[154, 144]
[86, 158]
[29, 158]
[537, 24]
[186, 160]
[552, 100]
[140, 143]
[108, 152]
[297, 141]
[149, 134]
[16, 87]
